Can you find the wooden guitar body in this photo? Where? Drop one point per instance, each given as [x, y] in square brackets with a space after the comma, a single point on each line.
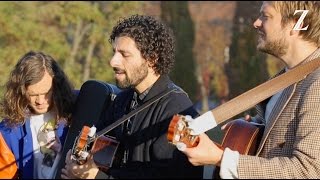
[242, 136]
[103, 149]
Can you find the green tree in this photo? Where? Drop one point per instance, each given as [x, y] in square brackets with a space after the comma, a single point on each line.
[74, 33]
[247, 66]
[23, 30]
[177, 16]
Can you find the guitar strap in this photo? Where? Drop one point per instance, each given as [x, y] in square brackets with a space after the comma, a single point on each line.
[263, 91]
[133, 113]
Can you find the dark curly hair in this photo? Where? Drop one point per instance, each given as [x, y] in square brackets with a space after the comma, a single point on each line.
[153, 39]
[29, 70]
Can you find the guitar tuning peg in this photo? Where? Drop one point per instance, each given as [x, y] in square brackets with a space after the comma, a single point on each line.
[177, 138]
[92, 132]
[188, 118]
[181, 126]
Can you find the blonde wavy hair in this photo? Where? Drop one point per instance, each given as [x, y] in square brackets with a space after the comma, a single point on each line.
[287, 9]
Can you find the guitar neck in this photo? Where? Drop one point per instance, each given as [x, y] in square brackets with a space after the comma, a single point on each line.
[238, 105]
[254, 96]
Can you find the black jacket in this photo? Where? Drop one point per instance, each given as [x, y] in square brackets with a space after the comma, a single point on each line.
[150, 155]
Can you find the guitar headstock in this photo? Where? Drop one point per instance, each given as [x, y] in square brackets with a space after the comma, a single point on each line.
[180, 132]
[82, 144]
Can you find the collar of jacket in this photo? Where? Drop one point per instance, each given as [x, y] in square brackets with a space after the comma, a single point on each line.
[159, 86]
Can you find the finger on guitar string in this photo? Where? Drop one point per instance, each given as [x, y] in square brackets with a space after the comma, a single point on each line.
[247, 117]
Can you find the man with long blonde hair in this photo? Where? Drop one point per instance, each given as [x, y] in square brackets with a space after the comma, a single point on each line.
[36, 108]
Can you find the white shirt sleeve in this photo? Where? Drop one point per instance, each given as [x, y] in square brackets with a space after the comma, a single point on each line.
[229, 164]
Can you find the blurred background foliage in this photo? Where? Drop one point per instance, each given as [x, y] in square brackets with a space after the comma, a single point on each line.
[73, 33]
[216, 56]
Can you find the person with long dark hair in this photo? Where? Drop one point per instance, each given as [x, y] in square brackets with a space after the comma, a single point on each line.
[36, 107]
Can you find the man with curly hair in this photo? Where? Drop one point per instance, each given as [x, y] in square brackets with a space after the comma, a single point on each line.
[143, 57]
[36, 107]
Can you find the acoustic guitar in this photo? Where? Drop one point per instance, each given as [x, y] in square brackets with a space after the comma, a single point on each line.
[239, 135]
[103, 148]
[93, 99]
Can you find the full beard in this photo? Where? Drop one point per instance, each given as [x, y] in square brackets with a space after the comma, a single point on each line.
[277, 47]
[138, 75]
